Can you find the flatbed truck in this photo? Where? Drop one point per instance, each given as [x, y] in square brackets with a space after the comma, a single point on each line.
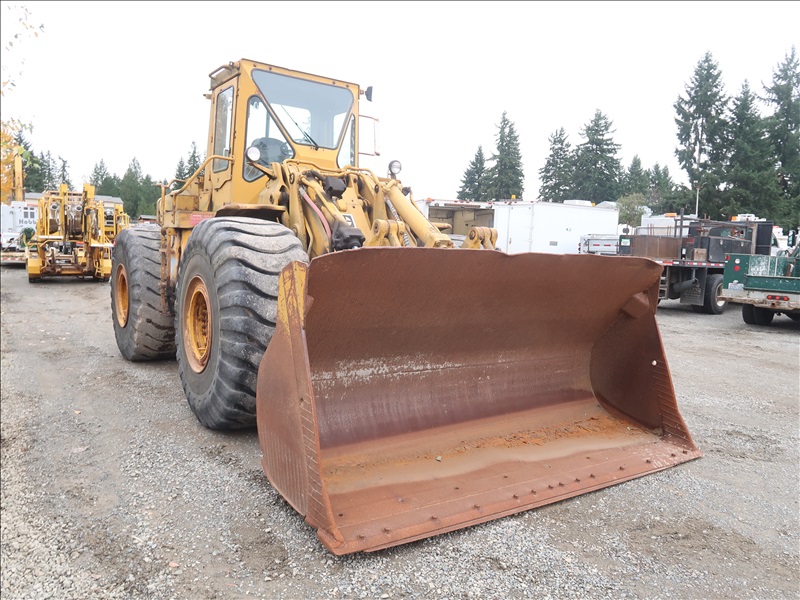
[765, 286]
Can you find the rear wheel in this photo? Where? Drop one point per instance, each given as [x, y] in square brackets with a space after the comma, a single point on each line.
[143, 330]
[225, 311]
[748, 314]
[762, 316]
[713, 303]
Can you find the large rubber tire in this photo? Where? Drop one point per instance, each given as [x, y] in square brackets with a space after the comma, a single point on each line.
[143, 330]
[755, 315]
[712, 303]
[225, 311]
[763, 316]
[748, 314]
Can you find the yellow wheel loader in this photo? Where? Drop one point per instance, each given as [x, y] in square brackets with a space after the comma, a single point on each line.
[70, 237]
[401, 387]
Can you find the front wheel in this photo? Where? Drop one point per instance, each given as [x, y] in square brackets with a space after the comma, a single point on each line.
[225, 311]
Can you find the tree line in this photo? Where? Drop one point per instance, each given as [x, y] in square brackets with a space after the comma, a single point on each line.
[737, 159]
[138, 192]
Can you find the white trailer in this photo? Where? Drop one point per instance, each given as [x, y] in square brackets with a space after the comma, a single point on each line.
[551, 227]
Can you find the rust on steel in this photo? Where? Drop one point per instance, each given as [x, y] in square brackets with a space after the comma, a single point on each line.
[408, 392]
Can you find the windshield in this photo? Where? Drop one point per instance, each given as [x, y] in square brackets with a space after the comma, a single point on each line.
[313, 114]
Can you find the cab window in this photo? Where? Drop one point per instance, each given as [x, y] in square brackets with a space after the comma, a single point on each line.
[262, 132]
[222, 128]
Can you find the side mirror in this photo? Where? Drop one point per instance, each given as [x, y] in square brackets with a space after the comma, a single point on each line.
[368, 93]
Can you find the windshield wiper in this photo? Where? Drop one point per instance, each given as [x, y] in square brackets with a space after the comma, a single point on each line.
[303, 131]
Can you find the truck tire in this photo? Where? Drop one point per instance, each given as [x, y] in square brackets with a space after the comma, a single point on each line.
[748, 314]
[755, 315]
[225, 311]
[763, 316]
[712, 303]
[143, 330]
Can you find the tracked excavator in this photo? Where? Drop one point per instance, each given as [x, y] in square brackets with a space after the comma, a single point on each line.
[401, 387]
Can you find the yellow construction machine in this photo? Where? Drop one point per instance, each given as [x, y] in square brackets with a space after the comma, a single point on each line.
[401, 387]
[70, 237]
[115, 219]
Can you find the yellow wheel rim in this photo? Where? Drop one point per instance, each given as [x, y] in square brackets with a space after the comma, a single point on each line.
[121, 296]
[197, 325]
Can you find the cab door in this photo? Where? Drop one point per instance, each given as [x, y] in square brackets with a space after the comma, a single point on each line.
[220, 171]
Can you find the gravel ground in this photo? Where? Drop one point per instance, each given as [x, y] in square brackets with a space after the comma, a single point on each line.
[111, 489]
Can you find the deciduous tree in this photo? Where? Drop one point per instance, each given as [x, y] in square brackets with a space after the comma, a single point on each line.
[631, 208]
[9, 125]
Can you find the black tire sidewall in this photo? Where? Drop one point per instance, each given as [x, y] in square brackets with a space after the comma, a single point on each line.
[713, 286]
[125, 334]
[239, 259]
[748, 314]
[763, 316]
[200, 384]
[147, 333]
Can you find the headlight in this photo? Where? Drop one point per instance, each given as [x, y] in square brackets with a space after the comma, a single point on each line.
[253, 154]
[395, 167]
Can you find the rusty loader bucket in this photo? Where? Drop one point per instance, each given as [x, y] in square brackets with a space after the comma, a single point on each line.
[408, 392]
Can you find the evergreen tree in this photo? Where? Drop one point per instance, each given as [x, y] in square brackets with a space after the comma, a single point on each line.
[783, 128]
[750, 184]
[597, 168]
[109, 186]
[664, 195]
[181, 175]
[701, 129]
[49, 172]
[130, 190]
[505, 176]
[31, 164]
[63, 173]
[99, 174]
[474, 182]
[104, 182]
[636, 180]
[149, 196]
[194, 161]
[557, 173]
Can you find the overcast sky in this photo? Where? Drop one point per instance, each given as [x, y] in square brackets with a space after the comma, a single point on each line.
[123, 80]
